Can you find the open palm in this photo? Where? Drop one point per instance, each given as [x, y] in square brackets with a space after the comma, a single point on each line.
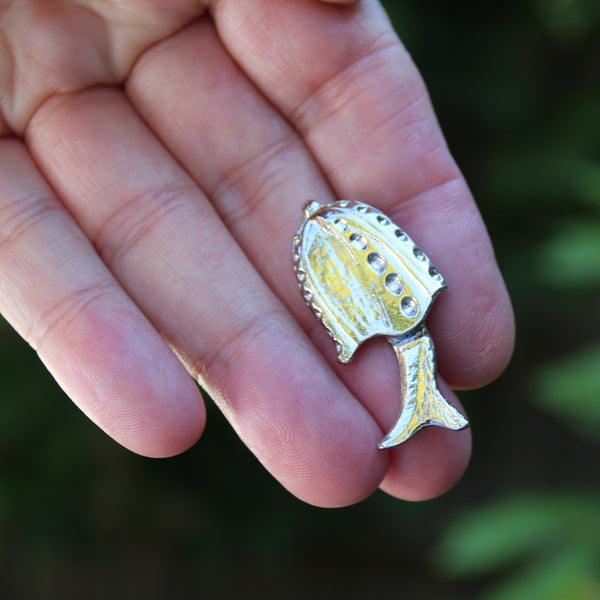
[154, 159]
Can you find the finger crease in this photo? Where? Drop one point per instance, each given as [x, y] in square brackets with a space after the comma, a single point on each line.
[263, 163]
[138, 217]
[61, 314]
[218, 359]
[24, 214]
[382, 44]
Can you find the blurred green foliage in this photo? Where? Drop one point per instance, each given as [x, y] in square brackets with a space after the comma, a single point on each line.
[570, 260]
[551, 542]
[538, 184]
[515, 86]
[570, 388]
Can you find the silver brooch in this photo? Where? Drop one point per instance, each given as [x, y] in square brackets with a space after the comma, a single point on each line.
[363, 276]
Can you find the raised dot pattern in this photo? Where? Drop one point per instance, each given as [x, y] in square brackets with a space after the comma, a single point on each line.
[394, 284]
[409, 306]
[340, 224]
[359, 241]
[377, 262]
[418, 253]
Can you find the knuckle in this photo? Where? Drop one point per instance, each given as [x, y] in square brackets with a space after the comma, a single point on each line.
[216, 361]
[139, 217]
[72, 306]
[25, 216]
[270, 163]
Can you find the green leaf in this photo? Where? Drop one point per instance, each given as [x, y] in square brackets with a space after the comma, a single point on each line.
[572, 575]
[586, 182]
[487, 539]
[570, 389]
[572, 257]
[565, 19]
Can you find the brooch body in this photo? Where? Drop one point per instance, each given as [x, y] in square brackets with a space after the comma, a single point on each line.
[362, 276]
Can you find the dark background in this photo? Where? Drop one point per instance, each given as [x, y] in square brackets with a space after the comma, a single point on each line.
[516, 86]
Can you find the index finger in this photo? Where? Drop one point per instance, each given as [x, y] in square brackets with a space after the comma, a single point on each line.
[350, 88]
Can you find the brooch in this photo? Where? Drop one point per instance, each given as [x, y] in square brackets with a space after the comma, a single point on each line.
[362, 276]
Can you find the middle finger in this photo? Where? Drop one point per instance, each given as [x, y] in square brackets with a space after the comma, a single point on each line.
[257, 184]
[158, 234]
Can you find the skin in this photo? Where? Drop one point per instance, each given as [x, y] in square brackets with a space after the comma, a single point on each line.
[154, 158]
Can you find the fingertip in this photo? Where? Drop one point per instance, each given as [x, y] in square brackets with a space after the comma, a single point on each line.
[354, 479]
[161, 415]
[124, 377]
[332, 462]
[431, 462]
[487, 336]
[495, 345]
[428, 465]
[178, 423]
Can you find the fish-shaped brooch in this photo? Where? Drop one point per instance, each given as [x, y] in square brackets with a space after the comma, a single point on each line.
[362, 276]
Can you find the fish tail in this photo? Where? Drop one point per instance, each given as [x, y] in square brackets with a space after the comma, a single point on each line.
[422, 403]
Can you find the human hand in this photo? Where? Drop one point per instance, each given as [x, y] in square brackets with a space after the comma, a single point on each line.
[154, 159]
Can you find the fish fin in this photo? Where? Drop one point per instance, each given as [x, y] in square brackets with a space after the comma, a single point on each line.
[422, 404]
